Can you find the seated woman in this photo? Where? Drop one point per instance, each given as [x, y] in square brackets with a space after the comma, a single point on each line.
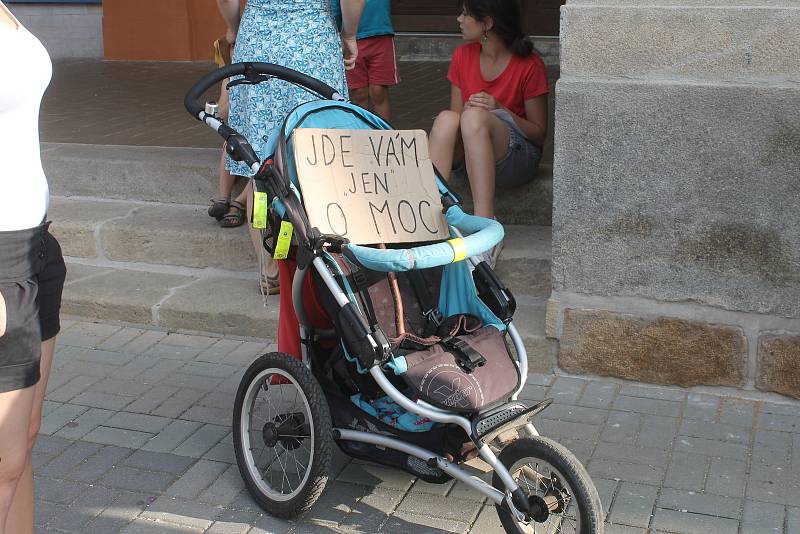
[497, 121]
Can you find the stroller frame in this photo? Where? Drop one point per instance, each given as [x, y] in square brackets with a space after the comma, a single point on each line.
[419, 407]
[483, 426]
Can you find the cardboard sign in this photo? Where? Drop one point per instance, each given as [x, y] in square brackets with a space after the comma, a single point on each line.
[371, 186]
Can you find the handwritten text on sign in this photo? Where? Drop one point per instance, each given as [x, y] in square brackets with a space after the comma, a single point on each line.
[371, 186]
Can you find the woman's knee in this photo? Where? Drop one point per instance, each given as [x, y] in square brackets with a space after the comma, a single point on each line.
[13, 464]
[447, 120]
[474, 120]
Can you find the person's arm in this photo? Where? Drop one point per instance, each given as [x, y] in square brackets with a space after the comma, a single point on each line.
[229, 9]
[456, 102]
[351, 15]
[533, 124]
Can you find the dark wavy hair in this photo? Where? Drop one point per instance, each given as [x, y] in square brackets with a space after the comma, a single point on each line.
[507, 17]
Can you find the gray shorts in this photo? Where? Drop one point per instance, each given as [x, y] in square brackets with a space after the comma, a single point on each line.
[521, 161]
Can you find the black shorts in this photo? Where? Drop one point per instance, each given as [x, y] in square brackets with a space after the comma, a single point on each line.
[32, 274]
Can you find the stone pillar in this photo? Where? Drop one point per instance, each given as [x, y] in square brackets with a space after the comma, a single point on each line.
[676, 224]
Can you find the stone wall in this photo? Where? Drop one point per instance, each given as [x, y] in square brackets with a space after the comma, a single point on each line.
[66, 30]
[676, 224]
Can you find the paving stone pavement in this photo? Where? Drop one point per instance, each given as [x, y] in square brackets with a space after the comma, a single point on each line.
[136, 438]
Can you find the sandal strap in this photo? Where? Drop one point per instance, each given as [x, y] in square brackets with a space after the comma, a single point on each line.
[237, 205]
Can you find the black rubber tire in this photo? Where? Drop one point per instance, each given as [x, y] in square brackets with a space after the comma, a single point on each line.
[567, 466]
[323, 435]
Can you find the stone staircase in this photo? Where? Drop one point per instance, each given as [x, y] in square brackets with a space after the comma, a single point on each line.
[141, 249]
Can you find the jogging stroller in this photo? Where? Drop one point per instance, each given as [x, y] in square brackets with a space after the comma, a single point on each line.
[405, 352]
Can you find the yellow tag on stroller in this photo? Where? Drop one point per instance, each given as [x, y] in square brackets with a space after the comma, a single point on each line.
[284, 240]
[259, 210]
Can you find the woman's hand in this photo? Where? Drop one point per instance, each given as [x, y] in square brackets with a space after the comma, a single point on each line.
[483, 100]
[349, 51]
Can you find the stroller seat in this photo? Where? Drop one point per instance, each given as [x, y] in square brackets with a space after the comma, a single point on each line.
[448, 348]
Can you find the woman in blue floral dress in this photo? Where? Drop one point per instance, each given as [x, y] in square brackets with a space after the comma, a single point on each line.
[298, 34]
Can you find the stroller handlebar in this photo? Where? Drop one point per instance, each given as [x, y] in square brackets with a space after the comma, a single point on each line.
[253, 72]
[481, 235]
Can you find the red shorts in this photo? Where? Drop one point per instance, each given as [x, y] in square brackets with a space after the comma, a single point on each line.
[376, 63]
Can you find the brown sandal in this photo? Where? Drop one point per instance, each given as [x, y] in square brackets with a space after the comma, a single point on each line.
[232, 219]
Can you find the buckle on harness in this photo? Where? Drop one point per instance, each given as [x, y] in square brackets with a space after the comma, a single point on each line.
[435, 316]
[467, 358]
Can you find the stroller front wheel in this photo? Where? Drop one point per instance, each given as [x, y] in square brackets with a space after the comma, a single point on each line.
[282, 434]
[549, 474]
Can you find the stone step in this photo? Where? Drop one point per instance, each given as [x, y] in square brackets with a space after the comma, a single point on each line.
[170, 265]
[189, 176]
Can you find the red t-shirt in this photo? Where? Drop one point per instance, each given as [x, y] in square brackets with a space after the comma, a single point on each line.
[523, 79]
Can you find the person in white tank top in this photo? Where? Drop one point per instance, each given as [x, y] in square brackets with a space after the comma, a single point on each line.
[25, 63]
[32, 269]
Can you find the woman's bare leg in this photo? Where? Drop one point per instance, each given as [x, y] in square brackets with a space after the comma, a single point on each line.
[486, 137]
[226, 179]
[268, 266]
[20, 515]
[445, 141]
[15, 417]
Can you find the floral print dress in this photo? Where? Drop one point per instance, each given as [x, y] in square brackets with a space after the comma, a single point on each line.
[298, 34]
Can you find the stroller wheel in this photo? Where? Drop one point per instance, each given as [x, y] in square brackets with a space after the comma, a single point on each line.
[282, 434]
[558, 488]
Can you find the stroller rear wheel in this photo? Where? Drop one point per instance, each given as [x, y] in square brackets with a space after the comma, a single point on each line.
[556, 484]
[282, 434]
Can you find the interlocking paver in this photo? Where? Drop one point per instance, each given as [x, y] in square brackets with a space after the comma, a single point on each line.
[762, 517]
[737, 412]
[137, 480]
[633, 504]
[702, 407]
[59, 417]
[700, 503]
[216, 352]
[598, 394]
[58, 491]
[192, 515]
[96, 465]
[621, 427]
[102, 400]
[158, 461]
[71, 389]
[201, 441]
[178, 403]
[690, 523]
[120, 338]
[717, 431]
[152, 399]
[224, 489]
[152, 424]
[687, 471]
[657, 431]
[172, 436]
[118, 436]
[711, 447]
[197, 479]
[85, 423]
[780, 422]
[726, 477]
[566, 390]
[647, 406]
[772, 448]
